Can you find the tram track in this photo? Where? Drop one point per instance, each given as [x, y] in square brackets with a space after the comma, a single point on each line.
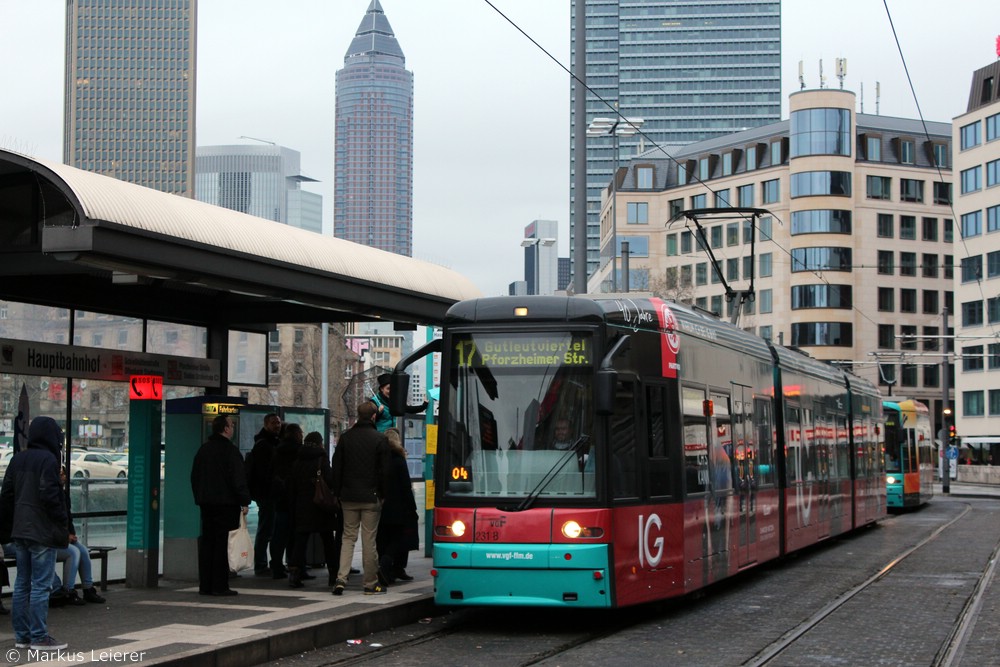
[950, 650]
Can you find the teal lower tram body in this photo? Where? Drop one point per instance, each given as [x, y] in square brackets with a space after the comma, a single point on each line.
[523, 575]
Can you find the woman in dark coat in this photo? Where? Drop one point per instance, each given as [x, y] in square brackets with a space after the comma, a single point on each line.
[397, 527]
[307, 516]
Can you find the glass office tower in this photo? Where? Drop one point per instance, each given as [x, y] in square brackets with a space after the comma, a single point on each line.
[263, 181]
[373, 187]
[692, 70]
[130, 91]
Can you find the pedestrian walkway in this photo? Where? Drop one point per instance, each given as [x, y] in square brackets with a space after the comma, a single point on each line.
[968, 490]
[266, 621]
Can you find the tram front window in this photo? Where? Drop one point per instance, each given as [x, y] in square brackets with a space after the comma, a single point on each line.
[518, 419]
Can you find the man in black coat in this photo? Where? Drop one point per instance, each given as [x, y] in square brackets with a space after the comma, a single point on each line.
[360, 464]
[259, 462]
[219, 484]
[33, 514]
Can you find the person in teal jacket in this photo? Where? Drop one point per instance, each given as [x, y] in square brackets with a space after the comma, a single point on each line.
[383, 418]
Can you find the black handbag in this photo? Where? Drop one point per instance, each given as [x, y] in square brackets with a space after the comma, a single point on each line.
[323, 497]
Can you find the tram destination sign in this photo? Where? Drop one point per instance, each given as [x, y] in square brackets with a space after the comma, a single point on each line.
[24, 357]
[518, 350]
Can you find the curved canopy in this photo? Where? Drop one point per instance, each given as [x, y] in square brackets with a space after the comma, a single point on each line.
[75, 239]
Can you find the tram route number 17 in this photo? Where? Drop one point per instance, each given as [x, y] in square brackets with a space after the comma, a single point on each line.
[646, 555]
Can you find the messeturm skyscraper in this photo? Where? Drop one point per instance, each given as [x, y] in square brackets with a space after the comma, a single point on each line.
[692, 70]
[373, 189]
[130, 91]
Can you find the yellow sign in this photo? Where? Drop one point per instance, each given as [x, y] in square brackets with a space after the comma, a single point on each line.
[429, 497]
[220, 409]
[523, 352]
[432, 439]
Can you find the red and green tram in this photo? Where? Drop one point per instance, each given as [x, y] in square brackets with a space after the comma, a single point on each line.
[605, 452]
[910, 454]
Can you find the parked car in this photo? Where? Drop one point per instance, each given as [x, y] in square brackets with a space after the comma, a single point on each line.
[95, 466]
[5, 458]
[119, 459]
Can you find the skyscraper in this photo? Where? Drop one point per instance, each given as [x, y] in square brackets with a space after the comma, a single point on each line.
[130, 91]
[541, 261]
[691, 70]
[259, 180]
[373, 189]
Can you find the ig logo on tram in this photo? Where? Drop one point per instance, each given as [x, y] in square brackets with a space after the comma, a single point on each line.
[647, 555]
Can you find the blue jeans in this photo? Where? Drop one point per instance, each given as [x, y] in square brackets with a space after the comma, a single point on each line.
[36, 563]
[77, 557]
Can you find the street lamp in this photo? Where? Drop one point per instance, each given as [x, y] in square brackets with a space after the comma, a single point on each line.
[616, 127]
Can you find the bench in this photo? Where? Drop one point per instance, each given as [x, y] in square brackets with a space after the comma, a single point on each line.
[96, 553]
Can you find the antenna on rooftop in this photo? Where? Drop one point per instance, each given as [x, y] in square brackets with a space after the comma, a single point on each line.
[263, 141]
[802, 77]
[822, 79]
[862, 97]
[841, 64]
[878, 95]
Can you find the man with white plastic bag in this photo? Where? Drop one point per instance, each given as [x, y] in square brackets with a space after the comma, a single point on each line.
[219, 484]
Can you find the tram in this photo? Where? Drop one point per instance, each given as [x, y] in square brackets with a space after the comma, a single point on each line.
[606, 452]
[910, 454]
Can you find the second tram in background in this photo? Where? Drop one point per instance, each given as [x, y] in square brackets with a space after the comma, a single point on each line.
[910, 454]
[607, 452]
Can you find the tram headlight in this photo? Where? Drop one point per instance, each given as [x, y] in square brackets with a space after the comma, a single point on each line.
[890, 479]
[573, 530]
[458, 528]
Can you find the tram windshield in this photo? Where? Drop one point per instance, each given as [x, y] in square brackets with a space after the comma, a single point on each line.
[518, 418]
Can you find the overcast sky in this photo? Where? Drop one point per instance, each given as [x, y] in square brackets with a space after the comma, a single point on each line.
[491, 110]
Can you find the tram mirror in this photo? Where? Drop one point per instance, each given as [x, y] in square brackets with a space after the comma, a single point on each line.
[605, 382]
[399, 389]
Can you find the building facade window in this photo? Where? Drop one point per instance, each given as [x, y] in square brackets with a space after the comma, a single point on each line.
[972, 403]
[929, 264]
[931, 302]
[972, 224]
[744, 195]
[992, 173]
[993, 264]
[834, 334]
[644, 178]
[993, 219]
[907, 263]
[994, 402]
[879, 187]
[820, 132]
[751, 158]
[821, 183]
[993, 310]
[886, 300]
[701, 273]
[770, 191]
[993, 357]
[765, 265]
[727, 163]
[638, 213]
[885, 262]
[993, 127]
[941, 156]
[732, 234]
[674, 207]
[908, 301]
[671, 245]
[821, 221]
[972, 358]
[908, 227]
[873, 148]
[972, 313]
[942, 193]
[821, 296]
[930, 229]
[972, 179]
[972, 268]
[911, 190]
[722, 198]
[971, 135]
[821, 259]
[765, 228]
[884, 226]
[886, 337]
[906, 151]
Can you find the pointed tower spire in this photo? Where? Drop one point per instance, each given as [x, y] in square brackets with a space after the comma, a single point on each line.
[374, 37]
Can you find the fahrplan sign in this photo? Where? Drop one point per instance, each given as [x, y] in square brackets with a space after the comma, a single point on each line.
[25, 357]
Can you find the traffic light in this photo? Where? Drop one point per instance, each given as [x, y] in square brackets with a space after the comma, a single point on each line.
[952, 436]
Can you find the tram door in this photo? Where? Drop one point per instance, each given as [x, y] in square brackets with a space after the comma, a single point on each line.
[745, 451]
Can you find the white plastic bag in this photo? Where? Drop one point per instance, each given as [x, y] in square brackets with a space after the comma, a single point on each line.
[240, 547]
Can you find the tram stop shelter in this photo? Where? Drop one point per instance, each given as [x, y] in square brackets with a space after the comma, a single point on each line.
[78, 240]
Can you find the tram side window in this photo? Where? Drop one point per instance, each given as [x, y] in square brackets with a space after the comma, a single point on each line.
[722, 444]
[793, 452]
[659, 471]
[843, 447]
[623, 444]
[695, 441]
[765, 442]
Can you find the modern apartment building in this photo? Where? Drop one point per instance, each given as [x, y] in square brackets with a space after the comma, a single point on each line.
[853, 256]
[263, 181]
[541, 256]
[130, 91]
[977, 285]
[373, 188]
[691, 70]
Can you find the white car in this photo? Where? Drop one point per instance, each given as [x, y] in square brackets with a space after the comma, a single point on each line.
[5, 458]
[119, 459]
[95, 465]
